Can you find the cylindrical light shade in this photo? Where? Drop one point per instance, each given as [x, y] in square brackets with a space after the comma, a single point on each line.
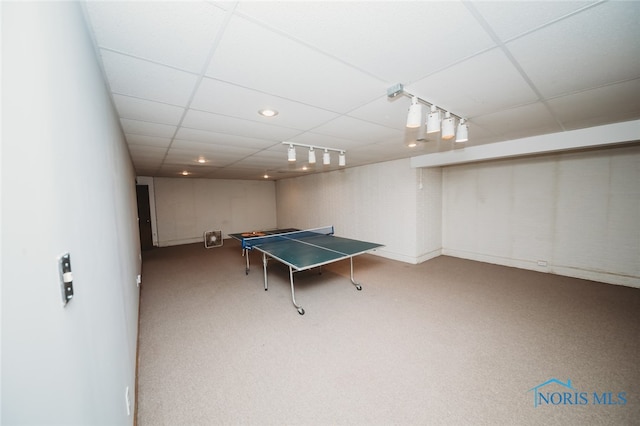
[448, 127]
[342, 160]
[414, 119]
[433, 120]
[462, 135]
[312, 156]
[326, 158]
[291, 153]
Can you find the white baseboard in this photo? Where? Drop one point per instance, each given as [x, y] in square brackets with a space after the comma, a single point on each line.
[568, 271]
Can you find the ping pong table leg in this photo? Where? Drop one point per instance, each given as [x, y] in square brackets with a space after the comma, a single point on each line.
[245, 252]
[264, 267]
[293, 294]
[357, 284]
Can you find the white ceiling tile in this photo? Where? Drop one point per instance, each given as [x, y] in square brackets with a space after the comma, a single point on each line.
[509, 19]
[224, 98]
[235, 126]
[134, 77]
[144, 110]
[185, 159]
[354, 129]
[206, 149]
[603, 105]
[134, 139]
[384, 111]
[391, 151]
[175, 170]
[413, 38]
[147, 129]
[166, 32]
[514, 123]
[592, 48]
[203, 136]
[485, 83]
[264, 160]
[247, 56]
[147, 152]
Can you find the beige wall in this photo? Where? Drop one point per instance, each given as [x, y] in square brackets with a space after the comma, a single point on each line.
[186, 207]
[578, 212]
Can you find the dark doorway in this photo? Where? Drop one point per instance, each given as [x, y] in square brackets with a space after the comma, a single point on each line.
[144, 217]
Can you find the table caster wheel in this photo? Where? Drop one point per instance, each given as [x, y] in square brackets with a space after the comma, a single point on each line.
[301, 311]
[359, 287]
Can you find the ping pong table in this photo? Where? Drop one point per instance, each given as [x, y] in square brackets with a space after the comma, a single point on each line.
[302, 250]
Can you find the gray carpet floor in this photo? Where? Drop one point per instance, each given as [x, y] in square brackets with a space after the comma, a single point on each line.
[446, 342]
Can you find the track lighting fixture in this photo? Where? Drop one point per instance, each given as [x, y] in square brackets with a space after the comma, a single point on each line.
[326, 156]
[435, 122]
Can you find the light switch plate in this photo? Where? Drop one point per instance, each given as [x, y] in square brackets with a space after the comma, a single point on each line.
[66, 278]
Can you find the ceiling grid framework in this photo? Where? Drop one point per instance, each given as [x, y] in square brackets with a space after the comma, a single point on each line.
[188, 78]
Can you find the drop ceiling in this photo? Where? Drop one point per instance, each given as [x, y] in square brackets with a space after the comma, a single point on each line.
[188, 78]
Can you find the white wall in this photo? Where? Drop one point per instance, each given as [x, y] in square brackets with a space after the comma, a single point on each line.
[377, 203]
[67, 186]
[186, 207]
[578, 212]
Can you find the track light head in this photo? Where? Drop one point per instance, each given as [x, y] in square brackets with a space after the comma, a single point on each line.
[448, 127]
[291, 153]
[414, 119]
[433, 120]
[312, 156]
[326, 158]
[342, 160]
[462, 135]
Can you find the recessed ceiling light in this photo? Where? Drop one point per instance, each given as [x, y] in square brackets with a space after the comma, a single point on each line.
[266, 176]
[267, 112]
[202, 160]
[185, 173]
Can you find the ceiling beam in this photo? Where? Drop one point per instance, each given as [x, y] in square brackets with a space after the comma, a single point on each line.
[592, 137]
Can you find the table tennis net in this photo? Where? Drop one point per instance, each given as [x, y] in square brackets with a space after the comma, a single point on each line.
[287, 236]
